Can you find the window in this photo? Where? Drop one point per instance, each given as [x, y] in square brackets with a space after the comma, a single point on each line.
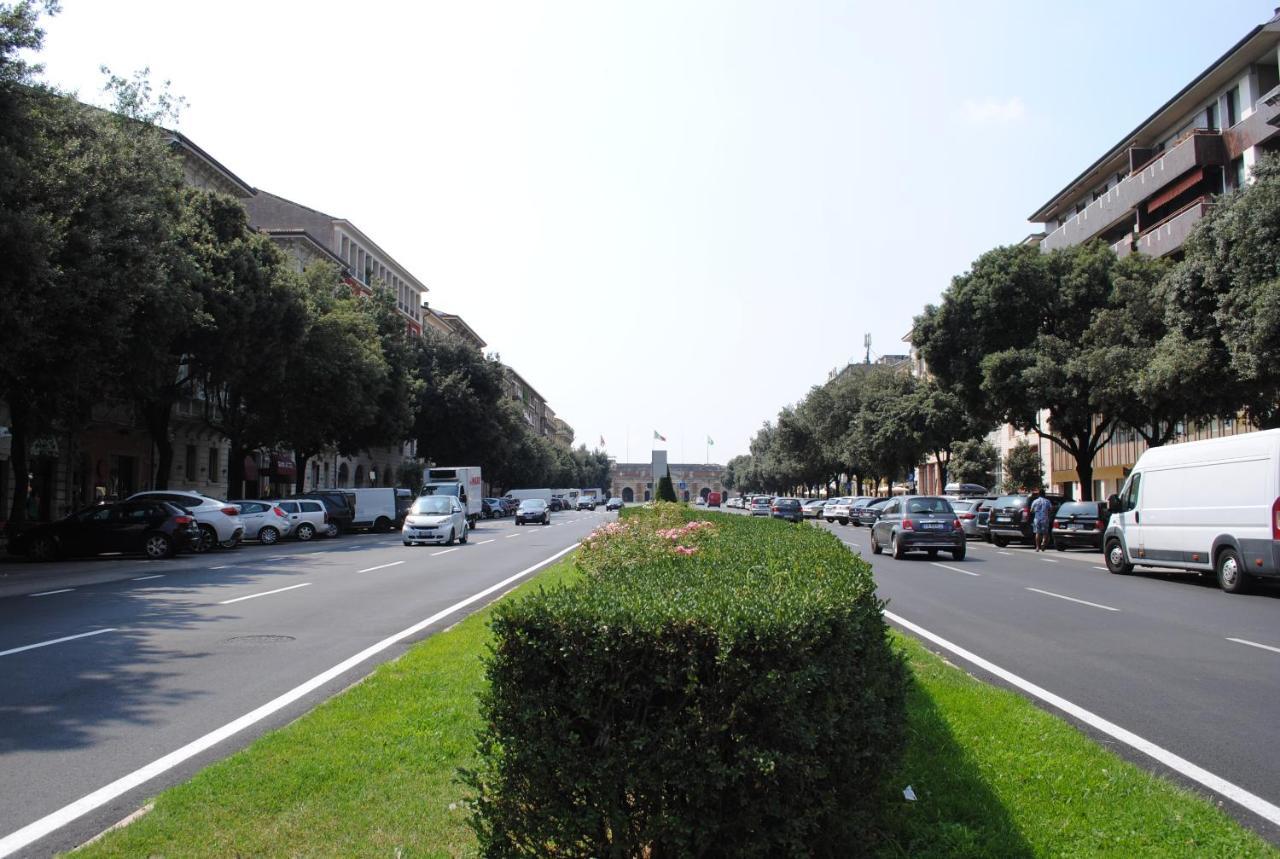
[1211, 116]
[191, 462]
[1132, 491]
[213, 463]
[1233, 105]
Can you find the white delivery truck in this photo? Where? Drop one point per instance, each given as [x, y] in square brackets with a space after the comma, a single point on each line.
[596, 495]
[1209, 506]
[522, 494]
[375, 509]
[568, 498]
[461, 481]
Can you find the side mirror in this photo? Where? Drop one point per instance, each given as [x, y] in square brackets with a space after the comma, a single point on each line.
[1113, 504]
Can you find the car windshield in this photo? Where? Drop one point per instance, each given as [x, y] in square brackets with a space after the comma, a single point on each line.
[1079, 508]
[532, 504]
[878, 502]
[447, 489]
[1012, 501]
[928, 505]
[963, 506]
[432, 506]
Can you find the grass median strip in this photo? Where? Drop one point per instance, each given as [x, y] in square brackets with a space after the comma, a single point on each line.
[373, 772]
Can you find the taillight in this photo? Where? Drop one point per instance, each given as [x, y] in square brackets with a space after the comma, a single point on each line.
[966, 515]
[956, 526]
[326, 517]
[231, 511]
[182, 520]
[280, 512]
[907, 525]
[1275, 519]
[773, 509]
[1099, 525]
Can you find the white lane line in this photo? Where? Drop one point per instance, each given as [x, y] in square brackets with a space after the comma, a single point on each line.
[955, 569]
[263, 594]
[1004, 553]
[445, 552]
[55, 641]
[1253, 802]
[221, 567]
[144, 578]
[509, 536]
[279, 557]
[1236, 640]
[1104, 569]
[1049, 560]
[53, 821]
[482, 542]
[1073, 599]
[380, 567]
[51, 593]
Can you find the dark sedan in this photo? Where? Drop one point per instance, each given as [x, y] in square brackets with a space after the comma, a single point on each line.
[918, 523]
[787, 508]
[534, 510]
[153, 528]
[868, 513]
[1080, 523]
[1011, 518]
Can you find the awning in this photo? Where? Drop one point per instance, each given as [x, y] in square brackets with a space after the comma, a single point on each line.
[282, 465]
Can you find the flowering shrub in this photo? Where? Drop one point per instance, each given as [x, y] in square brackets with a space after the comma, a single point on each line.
[716, 685]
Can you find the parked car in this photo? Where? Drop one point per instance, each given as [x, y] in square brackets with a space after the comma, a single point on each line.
[913, 523]
[1211, 507]
[858, 505]
[586, 502]
[813, 508]
[220, 523]
[1011, 518]
[534, 510]
[307, 517]
[435, 519]
[614, 503]
[967, 512]
[787, 508]
[837, 510]
[375, 509]
[340, 505]
[492, 508]
[264, 521]
[150, 526]
[869, 512]
[714, 499]
[982, 526]
[404, 500]
[555, 505]
[761, 505]
[1080, 523]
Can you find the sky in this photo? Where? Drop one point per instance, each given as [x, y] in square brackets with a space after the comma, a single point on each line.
[668, 216]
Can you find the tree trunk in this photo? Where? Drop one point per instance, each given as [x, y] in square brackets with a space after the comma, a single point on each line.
[235, 468]
[300, 479]
[18, 462]
[157, 416]
[1084, 470]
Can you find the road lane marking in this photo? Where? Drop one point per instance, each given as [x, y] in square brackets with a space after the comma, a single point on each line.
[1073, 599]
[221, 567]
[279, 557]
[144, 578]
[264, 594]
[380, 567]
[55, 641]
[51, 593]
[482, 542]
[1236, 640]
[1004, 553]
[54, 821]
[1049, 560]
[955, 569]
[1104, 569]
[1235, 793]
[509, 536]
[445, 552]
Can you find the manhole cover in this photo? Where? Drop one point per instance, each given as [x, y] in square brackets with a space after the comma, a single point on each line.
[259, 640]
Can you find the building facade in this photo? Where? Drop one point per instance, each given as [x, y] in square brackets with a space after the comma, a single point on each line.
[637, 481]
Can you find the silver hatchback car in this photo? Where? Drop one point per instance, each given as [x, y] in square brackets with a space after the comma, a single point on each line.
[435, 519]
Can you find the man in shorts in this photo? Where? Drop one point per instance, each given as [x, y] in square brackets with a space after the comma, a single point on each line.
[1040, 507]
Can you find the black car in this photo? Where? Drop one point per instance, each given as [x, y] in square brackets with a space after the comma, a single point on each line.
[982, 524]
[1011, 518]
[868, 513]
[858, 505]
[915, 523]
[787, 508]
[339, 504]
[534, 510]
[153, 528]
[1080, 523]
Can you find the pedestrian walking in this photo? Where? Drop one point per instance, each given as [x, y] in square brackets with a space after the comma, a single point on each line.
[1040, 507]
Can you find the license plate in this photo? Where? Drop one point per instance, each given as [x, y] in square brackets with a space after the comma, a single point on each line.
[934, 526]
[1076, 526]
[1002, 519]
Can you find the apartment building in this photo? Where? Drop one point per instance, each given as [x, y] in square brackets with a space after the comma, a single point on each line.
[1146, 193]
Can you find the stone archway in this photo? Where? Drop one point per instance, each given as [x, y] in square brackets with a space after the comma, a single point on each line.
[359, 477]
[704, 492]
[342, 475]
[628, 496]
[648, 496]
[686, 496]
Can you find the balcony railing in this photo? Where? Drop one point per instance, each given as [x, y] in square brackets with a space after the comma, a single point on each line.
[1168, 235]
[1199, 149]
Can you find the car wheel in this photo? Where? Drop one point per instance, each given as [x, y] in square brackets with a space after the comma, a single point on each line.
[844, 521]
[268, 536]
[1231, 575]
[876, 548]
[305, 531]
[1115, 558]
[463, 538]
[449, 542]
[899, 551]
[229, 544]
[1000, 541]
[208, 538]
[1059, 545]
[332, 530]
[408, 543]
[43, 549]
[958, 554]
[933, 554]
[157, 547]
[382, 525]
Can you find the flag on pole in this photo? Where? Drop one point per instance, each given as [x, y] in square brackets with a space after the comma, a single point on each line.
[709, 441]
[602, 441]
[657, 436]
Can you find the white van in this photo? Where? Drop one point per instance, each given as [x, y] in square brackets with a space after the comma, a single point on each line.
[1208, 506]
[376, 509]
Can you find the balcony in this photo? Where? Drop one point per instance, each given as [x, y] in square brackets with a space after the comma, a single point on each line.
[1168, 235]
[1124, 247]
[1200, 149]
[1258, 127]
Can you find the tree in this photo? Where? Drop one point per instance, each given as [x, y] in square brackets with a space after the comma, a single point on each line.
[1023, 470]
[457, 417]
[941, 421]
[974, 461]
[882, 435]
[736, 471]
[396, 394]
[666, 491]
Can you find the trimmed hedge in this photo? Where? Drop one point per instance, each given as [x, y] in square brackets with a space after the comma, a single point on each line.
[706, 690]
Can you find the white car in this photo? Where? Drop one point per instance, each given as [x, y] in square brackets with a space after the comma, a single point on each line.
[307, 517]
[435, 519]
[264, 521]
[220, 522]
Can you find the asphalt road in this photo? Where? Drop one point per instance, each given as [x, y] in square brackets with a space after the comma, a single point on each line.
[171, 651]
[1166, 656]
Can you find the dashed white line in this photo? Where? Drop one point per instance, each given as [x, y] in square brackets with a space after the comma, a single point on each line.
[51, 593]
[280, 557]
[144, 578]
[264, 594]
[1004, 553]
[1073, 599]
[1104, 569]
[380, 567]
[445, 552]
[955, 569]
[1235, 793]
[221, 567]
[509, 536]
[55, 641]
[482, 542]
[1049, 560]
[1236, 640]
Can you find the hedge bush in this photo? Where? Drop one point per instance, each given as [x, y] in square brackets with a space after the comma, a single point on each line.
[721, 689]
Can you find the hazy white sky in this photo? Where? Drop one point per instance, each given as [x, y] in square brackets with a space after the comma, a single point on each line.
[666, 215]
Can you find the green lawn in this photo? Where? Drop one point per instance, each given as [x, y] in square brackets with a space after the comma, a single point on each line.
[372, 773]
